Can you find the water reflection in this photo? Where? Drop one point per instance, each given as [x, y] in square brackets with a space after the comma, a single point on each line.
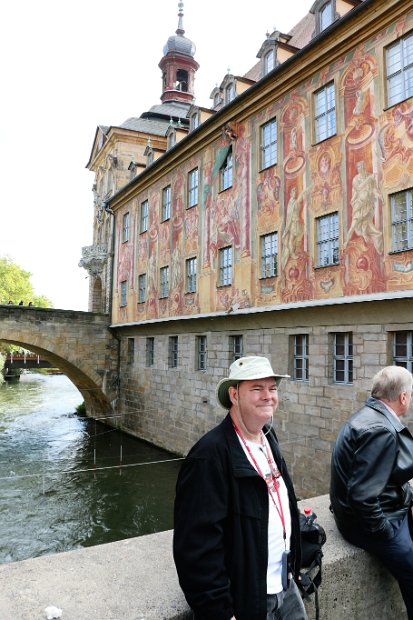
[48, 502]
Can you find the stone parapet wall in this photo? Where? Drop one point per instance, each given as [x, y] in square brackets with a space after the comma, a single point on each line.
[135, 579]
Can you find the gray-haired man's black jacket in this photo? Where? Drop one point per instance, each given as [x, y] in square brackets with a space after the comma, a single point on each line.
[371, 466]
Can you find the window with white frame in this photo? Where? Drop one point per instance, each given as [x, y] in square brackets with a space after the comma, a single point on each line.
[191, 275]
[194, 120]
[327, 240]
[173, 352]
[269, 144]
[236, 344]
[166, 203]
[403, 349]
[164, 285]
[225, 266]
[125, 227]
[226, 172]
[326, 15]
[144, 216]
[123, 292]
[131, 351]
[401, 205]
[325, 112]
[399, 69]
[142, 288]
[343, 357]
[229, 92]
[150, 351]
[269, 61]
[269, 255]
[201, 352]
[193, 188]
[300, 357]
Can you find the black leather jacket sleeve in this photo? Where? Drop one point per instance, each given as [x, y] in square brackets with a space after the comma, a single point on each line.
[372, 466]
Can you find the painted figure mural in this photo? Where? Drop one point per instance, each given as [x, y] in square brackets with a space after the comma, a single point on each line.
[364, 197]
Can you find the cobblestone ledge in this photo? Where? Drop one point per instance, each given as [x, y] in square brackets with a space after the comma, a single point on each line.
[135, 579]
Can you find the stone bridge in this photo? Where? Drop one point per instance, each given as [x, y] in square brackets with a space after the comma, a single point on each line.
[78, 343]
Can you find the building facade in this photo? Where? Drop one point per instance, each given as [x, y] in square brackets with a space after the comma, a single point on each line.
[277, 222]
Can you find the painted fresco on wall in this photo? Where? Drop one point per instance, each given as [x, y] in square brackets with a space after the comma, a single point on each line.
[362, 221]
[176, 268]
[208, 256]
[191, 232]
[294, 238]
[326, 194]
[242, 169]
[353, 173]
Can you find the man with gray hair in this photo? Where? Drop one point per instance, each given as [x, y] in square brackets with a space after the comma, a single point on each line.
[371, 466]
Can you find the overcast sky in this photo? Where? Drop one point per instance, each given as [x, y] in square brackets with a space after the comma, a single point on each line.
[70, 66]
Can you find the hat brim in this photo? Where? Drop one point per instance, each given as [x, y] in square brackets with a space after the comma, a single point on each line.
[222, 388]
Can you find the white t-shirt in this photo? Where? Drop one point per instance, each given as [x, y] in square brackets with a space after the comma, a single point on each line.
[276, 544]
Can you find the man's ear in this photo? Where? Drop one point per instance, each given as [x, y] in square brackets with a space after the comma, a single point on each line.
[233, 394]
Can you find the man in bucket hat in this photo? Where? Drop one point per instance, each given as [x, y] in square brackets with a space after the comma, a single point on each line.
[236, 527]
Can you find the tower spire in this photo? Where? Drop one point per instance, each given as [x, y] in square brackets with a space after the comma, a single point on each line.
[180, 30]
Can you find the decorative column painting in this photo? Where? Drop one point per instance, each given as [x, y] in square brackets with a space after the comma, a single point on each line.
[295, 284]
[362, 216]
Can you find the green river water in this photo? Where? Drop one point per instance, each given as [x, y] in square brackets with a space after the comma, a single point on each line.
[61, 487]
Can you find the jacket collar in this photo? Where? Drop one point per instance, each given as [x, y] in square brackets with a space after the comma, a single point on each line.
[381, 407]
[241, 465]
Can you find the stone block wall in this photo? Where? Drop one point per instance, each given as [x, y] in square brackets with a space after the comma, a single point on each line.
[173, 407]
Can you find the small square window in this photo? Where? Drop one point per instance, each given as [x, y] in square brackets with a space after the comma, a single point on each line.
[201, 352]
[343, 357]
[300, 356]
[131, 351]
[173, 352]
[150, 351]
[403, 349]
[236, 344]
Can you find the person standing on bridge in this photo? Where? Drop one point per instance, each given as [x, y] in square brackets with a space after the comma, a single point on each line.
[236, 538]
[371, 466]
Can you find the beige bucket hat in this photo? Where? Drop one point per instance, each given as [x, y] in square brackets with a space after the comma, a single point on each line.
[245, 369]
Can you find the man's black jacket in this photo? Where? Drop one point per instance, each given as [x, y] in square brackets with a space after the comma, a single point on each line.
[221, 528]
[371, 466]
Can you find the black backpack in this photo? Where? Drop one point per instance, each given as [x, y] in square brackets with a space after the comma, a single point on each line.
[313, 537]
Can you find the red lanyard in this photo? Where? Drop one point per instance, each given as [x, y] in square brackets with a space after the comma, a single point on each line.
[271, 464]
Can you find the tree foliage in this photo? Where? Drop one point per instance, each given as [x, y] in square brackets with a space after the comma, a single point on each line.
[15, 285]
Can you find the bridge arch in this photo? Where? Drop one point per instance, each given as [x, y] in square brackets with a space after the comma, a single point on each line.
[79, 343]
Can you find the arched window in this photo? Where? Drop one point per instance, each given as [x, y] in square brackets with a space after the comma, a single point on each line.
[182, 80]
[326, 16]
[229, 92]
[269, 61]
